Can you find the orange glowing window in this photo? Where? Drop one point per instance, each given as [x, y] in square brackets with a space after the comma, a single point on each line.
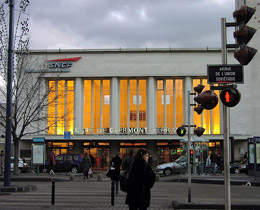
[96, 106]
[61, 107]
[169, 103]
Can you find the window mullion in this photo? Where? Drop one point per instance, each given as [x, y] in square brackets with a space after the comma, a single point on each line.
[137, 103]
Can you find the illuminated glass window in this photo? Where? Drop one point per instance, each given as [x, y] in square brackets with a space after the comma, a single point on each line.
[169, 104]
[132, 104]
[61, 107]
[209, 119]
[96, 106]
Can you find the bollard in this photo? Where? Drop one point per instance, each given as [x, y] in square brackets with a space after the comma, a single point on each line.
[72, 177]
[99, 178]
[53, 193]
[112, 193]
[157, 178]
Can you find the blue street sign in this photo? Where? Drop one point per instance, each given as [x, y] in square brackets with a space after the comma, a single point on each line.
[67, 134]
[38, 140]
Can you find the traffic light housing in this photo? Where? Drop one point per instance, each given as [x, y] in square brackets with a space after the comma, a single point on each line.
[206, 100]
[199, 131]
[181, 131]
[191, 155]
[245, 33]
[230, 96]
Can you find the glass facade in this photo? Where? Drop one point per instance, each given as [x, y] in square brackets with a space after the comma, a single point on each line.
[61, 107]
[132, 105]
[169, 105]
[96, 106]
[209, 119]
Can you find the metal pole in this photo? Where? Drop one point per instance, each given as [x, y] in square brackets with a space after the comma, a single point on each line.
[53, 192]
[188, 151]
[112, 193]
[225, 122]
[8, 132]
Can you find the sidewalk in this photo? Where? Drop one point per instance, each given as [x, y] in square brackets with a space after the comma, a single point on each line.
[93, 194]
[235, 179]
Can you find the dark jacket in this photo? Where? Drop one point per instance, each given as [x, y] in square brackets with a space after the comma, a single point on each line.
[86, 164]
[117, 163]
[127, 162]
[214, 157]
[142, 179]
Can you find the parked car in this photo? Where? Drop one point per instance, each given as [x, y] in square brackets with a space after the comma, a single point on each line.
[23, 167]
[167, 169]
[240, 167]
[64, 162]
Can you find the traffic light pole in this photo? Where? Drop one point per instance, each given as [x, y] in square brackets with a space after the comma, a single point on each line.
[188, 151]
[189, 145]
[225, 122]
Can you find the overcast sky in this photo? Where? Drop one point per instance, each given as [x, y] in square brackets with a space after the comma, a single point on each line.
[94, 24]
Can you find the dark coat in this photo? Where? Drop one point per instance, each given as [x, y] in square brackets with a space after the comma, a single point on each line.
[86, 164]
[214, 157]
[116, 162]
[51, 160]
[142, 179]
[127, 162]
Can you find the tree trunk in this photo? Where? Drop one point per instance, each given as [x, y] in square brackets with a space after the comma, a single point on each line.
[16, 156]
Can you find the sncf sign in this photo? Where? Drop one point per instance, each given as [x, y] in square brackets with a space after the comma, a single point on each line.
[61, 64]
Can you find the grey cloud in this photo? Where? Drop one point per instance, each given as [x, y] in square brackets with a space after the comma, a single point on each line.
[135, 23]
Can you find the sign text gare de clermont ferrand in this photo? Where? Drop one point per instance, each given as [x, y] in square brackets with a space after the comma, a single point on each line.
[134, 130]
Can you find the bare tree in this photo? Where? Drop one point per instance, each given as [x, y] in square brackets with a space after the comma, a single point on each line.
[30, 96]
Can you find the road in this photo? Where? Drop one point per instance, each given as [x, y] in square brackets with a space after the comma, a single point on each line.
[91, 194]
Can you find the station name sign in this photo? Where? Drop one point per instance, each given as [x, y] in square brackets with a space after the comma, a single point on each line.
[225, 74]
[61, 65]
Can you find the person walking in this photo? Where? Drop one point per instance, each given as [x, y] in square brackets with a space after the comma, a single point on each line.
[116, 162]
[52, 161]
[2, 161]
[127, 161]
[86, 166]
[141, 180]
[213, 159]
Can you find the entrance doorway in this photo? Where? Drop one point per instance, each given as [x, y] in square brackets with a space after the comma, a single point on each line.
[98, 153]
[125, 148]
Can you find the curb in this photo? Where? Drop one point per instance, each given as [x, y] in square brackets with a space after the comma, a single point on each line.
[178, 205]
[37, 179]
[215, 181]
[17, 188]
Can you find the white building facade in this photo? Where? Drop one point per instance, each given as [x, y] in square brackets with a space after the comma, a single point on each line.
[117, 100]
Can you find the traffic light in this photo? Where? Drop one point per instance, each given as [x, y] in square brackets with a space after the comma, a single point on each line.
[206, 100]
[199, 131]
[191, 156]
[245, 33]
[230, 96]
[181, 131]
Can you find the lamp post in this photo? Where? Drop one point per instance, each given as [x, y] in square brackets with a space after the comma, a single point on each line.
[8, 138]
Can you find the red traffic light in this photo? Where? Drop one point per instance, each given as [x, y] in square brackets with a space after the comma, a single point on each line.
[191, 152]
[208, 99]
[230, 96]
[245, 55]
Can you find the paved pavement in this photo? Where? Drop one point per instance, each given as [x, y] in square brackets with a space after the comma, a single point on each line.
[93, 194]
